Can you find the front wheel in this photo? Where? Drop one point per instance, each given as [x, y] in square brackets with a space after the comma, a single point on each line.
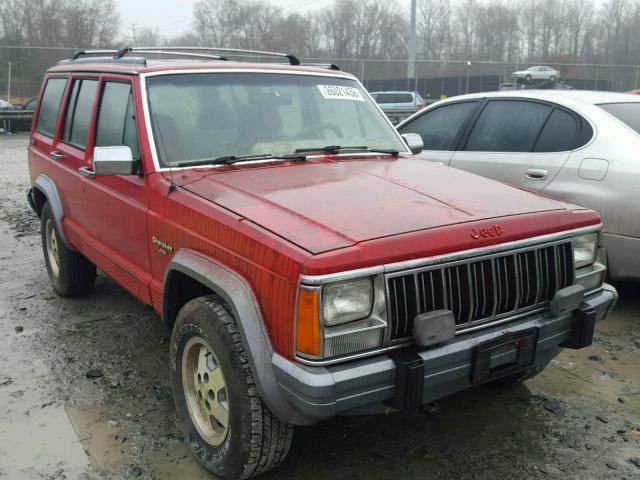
[230, 430]
[552, 79]
[527, 78]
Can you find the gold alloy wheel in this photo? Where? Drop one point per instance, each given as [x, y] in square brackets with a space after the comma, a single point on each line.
[52, 248]
[205, 391]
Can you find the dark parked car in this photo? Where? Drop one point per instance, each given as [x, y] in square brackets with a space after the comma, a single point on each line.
[20, 123]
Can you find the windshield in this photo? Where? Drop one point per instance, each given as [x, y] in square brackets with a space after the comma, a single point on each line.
[203, 116]
[628, 113]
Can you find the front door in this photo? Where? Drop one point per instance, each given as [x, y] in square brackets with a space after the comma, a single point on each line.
[440, 129]
[115, 213]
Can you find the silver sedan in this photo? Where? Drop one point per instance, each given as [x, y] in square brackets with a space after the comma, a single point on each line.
[580, 146]
[537, 73]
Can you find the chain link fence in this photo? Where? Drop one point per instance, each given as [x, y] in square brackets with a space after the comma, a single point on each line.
[433, 79]
[445, 78]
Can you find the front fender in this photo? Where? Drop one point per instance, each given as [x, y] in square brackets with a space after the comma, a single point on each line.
[239, 297]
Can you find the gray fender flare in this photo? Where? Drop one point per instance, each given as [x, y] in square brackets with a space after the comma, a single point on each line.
[46, 186]
[237, 294]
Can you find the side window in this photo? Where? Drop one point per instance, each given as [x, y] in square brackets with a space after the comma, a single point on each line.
[585, 135]
[78, 114]
[50, 105]
[440, 127]
[116, 121]
[558, 134]
[508, 126]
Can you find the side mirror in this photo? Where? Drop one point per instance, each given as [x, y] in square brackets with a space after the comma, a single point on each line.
[113, 161]
[413, 141]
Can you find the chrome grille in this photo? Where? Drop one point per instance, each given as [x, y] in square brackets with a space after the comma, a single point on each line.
[480, 290]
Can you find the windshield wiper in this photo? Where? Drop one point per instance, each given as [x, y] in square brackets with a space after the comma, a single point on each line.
[347, 148]
[230, 159]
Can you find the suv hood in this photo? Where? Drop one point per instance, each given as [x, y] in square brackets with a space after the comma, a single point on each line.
[326, 204]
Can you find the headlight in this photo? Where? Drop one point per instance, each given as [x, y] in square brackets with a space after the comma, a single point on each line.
[347, 301]
[585, 248]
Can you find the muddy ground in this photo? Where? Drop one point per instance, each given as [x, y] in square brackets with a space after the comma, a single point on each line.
[580, 419]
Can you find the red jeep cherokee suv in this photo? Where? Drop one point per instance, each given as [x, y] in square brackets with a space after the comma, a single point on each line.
[305, 263]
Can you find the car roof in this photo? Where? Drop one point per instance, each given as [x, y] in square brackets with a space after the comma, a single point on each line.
[107, 65]
[583, 96]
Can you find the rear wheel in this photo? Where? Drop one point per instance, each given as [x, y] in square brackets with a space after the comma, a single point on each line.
[70, 272]
[230, 430]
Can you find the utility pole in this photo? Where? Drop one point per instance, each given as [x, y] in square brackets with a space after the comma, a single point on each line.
[9, 84]
[411, 68]
[133, 30]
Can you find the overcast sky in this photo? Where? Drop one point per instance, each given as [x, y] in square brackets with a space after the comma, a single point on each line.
[173, 17]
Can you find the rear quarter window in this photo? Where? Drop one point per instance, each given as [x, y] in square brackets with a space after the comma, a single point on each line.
[559, 133]
[50, 105]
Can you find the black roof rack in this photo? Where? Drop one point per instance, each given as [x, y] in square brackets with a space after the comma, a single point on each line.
[194, 52]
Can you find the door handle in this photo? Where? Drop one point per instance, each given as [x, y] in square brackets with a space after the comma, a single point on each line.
[86, 172]
[536, 173]
[55, 155]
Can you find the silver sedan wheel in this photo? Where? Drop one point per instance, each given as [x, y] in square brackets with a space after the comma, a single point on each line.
[52, 248]
[205, 391]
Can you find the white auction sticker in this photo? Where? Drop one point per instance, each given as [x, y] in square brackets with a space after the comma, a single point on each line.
[339, 92]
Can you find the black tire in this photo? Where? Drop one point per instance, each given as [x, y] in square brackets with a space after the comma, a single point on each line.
[72, 274]
[520, 377]
[527, 78]
[255, 441]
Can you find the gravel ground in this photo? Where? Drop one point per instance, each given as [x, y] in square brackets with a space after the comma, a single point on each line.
[84, 393]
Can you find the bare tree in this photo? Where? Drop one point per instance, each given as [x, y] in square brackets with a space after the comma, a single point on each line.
[433, 27]
[90, 23]
[67, 23]
[464, 18]
[217, 22]
[579, 18]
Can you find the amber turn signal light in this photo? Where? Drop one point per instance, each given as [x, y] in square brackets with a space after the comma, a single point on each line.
[308, 323]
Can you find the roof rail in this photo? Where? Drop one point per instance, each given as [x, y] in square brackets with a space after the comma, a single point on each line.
[197, 52]
[121, 52]
[293, 60]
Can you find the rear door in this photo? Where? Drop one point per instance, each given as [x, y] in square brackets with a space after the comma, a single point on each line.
[521, 142]
[115, 216]
[68, 151]
[441, 129]
[44, 135]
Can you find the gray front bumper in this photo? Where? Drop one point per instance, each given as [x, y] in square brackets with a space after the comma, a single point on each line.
[361, 386]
